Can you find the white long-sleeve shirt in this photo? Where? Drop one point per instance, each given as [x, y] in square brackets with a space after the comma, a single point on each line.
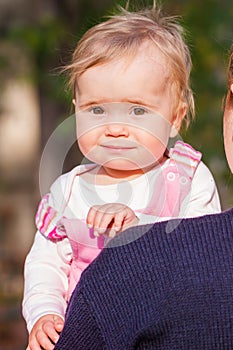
[47, 265]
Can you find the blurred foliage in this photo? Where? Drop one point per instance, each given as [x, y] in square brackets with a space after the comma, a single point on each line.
[50, 38]
[42, 42]
[210, 29]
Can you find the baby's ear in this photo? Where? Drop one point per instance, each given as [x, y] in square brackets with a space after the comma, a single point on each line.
[174, 131]
[231, 88]
[74, 102]
[178, 119]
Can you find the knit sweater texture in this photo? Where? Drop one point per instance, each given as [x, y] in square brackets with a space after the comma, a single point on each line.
[167, 289]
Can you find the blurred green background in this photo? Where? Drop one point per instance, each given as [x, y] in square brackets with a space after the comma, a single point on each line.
[35, 40]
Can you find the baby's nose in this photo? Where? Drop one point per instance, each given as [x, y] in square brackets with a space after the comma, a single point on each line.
[116, 129]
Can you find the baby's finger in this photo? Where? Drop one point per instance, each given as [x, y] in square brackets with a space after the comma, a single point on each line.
[100, 218]
[124, 219]
[91, 215]
[119, 219]
[104, 222]
[58, 323]
[33, 344]
[49, 329]
[44, 341]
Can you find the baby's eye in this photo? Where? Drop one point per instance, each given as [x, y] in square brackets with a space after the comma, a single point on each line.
[139, 111]
[97, 110]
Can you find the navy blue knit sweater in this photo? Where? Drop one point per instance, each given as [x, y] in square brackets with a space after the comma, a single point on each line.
[162, 291]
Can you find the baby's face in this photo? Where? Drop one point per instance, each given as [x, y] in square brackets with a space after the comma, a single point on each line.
[125, 110]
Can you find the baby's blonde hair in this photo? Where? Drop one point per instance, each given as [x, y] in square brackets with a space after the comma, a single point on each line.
[122, 35]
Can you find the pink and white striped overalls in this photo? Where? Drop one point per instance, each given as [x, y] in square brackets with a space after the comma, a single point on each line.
[171, 187]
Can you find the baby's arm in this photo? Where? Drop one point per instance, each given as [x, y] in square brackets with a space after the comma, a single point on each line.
[111, 218]
[46, 282]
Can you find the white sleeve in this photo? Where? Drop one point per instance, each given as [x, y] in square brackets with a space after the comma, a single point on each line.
[203, 198]
[46, 279]
[47, 269]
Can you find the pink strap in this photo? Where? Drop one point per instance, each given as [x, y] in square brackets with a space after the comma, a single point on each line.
[46, 218]
[173, 183]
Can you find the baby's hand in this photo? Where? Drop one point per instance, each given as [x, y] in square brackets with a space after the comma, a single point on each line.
[110, 218]
[45, 333]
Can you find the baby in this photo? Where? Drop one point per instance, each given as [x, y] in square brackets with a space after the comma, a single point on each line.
[130, 79]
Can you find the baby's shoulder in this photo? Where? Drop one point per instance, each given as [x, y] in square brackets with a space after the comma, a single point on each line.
[66, 180]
